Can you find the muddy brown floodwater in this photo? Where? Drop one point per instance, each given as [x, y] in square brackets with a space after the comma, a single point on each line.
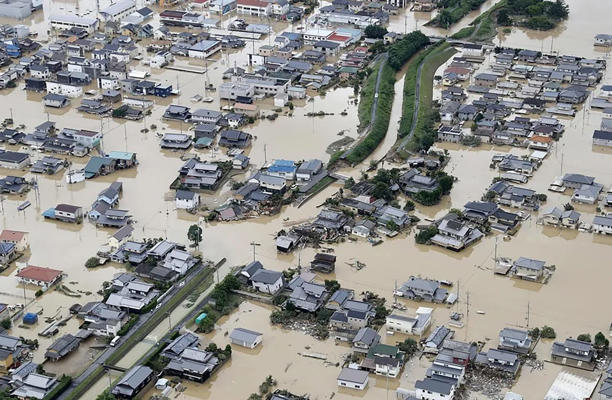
[574, 301]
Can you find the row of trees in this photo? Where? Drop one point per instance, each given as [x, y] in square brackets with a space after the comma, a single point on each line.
[403, 49]
[533, 14]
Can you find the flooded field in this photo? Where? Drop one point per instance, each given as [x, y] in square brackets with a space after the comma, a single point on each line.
[572, 302]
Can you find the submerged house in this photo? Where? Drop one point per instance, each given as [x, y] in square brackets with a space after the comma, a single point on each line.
[529, 269]
[455, 234]
[574, 353]
[423, 289]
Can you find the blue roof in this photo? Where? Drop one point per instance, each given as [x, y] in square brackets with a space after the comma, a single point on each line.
[50, 213]
[282, 166]
[6, 248]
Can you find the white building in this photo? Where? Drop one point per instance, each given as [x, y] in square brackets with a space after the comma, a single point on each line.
[267, 281]
[602, 224]
[64, 89]
[204, 48]
[187, 200]
[434, 389]
[315, 34]
[602, 138]
[66, 21]
[118, 11]
[353, 378]
[410, 325]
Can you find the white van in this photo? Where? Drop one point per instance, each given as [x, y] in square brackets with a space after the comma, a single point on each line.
[114, 341]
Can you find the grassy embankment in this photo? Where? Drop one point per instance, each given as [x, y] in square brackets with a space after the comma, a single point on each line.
[424, 133]
[398, 54]
[453, 11]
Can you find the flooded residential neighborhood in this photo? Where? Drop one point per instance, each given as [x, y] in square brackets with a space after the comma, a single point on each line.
[287, 200]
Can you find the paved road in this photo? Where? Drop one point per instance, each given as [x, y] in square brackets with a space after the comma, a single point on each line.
[101, 360]
[383, 58]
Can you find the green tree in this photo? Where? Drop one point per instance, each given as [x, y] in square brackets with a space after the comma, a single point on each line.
[534, 333]
[559, 10]
[381, 311]
[547, 332]
[409, 346]
[584, 337]
[426, 234]
[601, 341]
[392, 226]
[6, 323]
[382, 191]
[375, 32]
[409, 206]
[503, 18]
[445, 18]
[332, 285]
[92, 262]
[349, 183]
[106, 395]
[194, 234]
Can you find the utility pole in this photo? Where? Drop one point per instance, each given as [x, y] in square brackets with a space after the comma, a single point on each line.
[527, 318]
[254, 244]
[265, 155]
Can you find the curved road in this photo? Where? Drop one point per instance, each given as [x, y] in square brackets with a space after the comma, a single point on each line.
[383, 58]
[364, 133]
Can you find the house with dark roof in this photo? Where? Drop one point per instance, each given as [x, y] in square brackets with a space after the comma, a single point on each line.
[174, 349]
[267, 281]
[14, 159]
[234, 138]
[307, 296]
[499, 360]
[416, 288]
[435, 388]
[133, 381]
[516, 340]
[435, 340]
[384, 360]
[364, 339]
[62, 347]
[455, 234]
[193, 364]
[574, 353]
[528, 268]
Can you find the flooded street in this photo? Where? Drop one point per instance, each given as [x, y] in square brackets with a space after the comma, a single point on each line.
[572, 302]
